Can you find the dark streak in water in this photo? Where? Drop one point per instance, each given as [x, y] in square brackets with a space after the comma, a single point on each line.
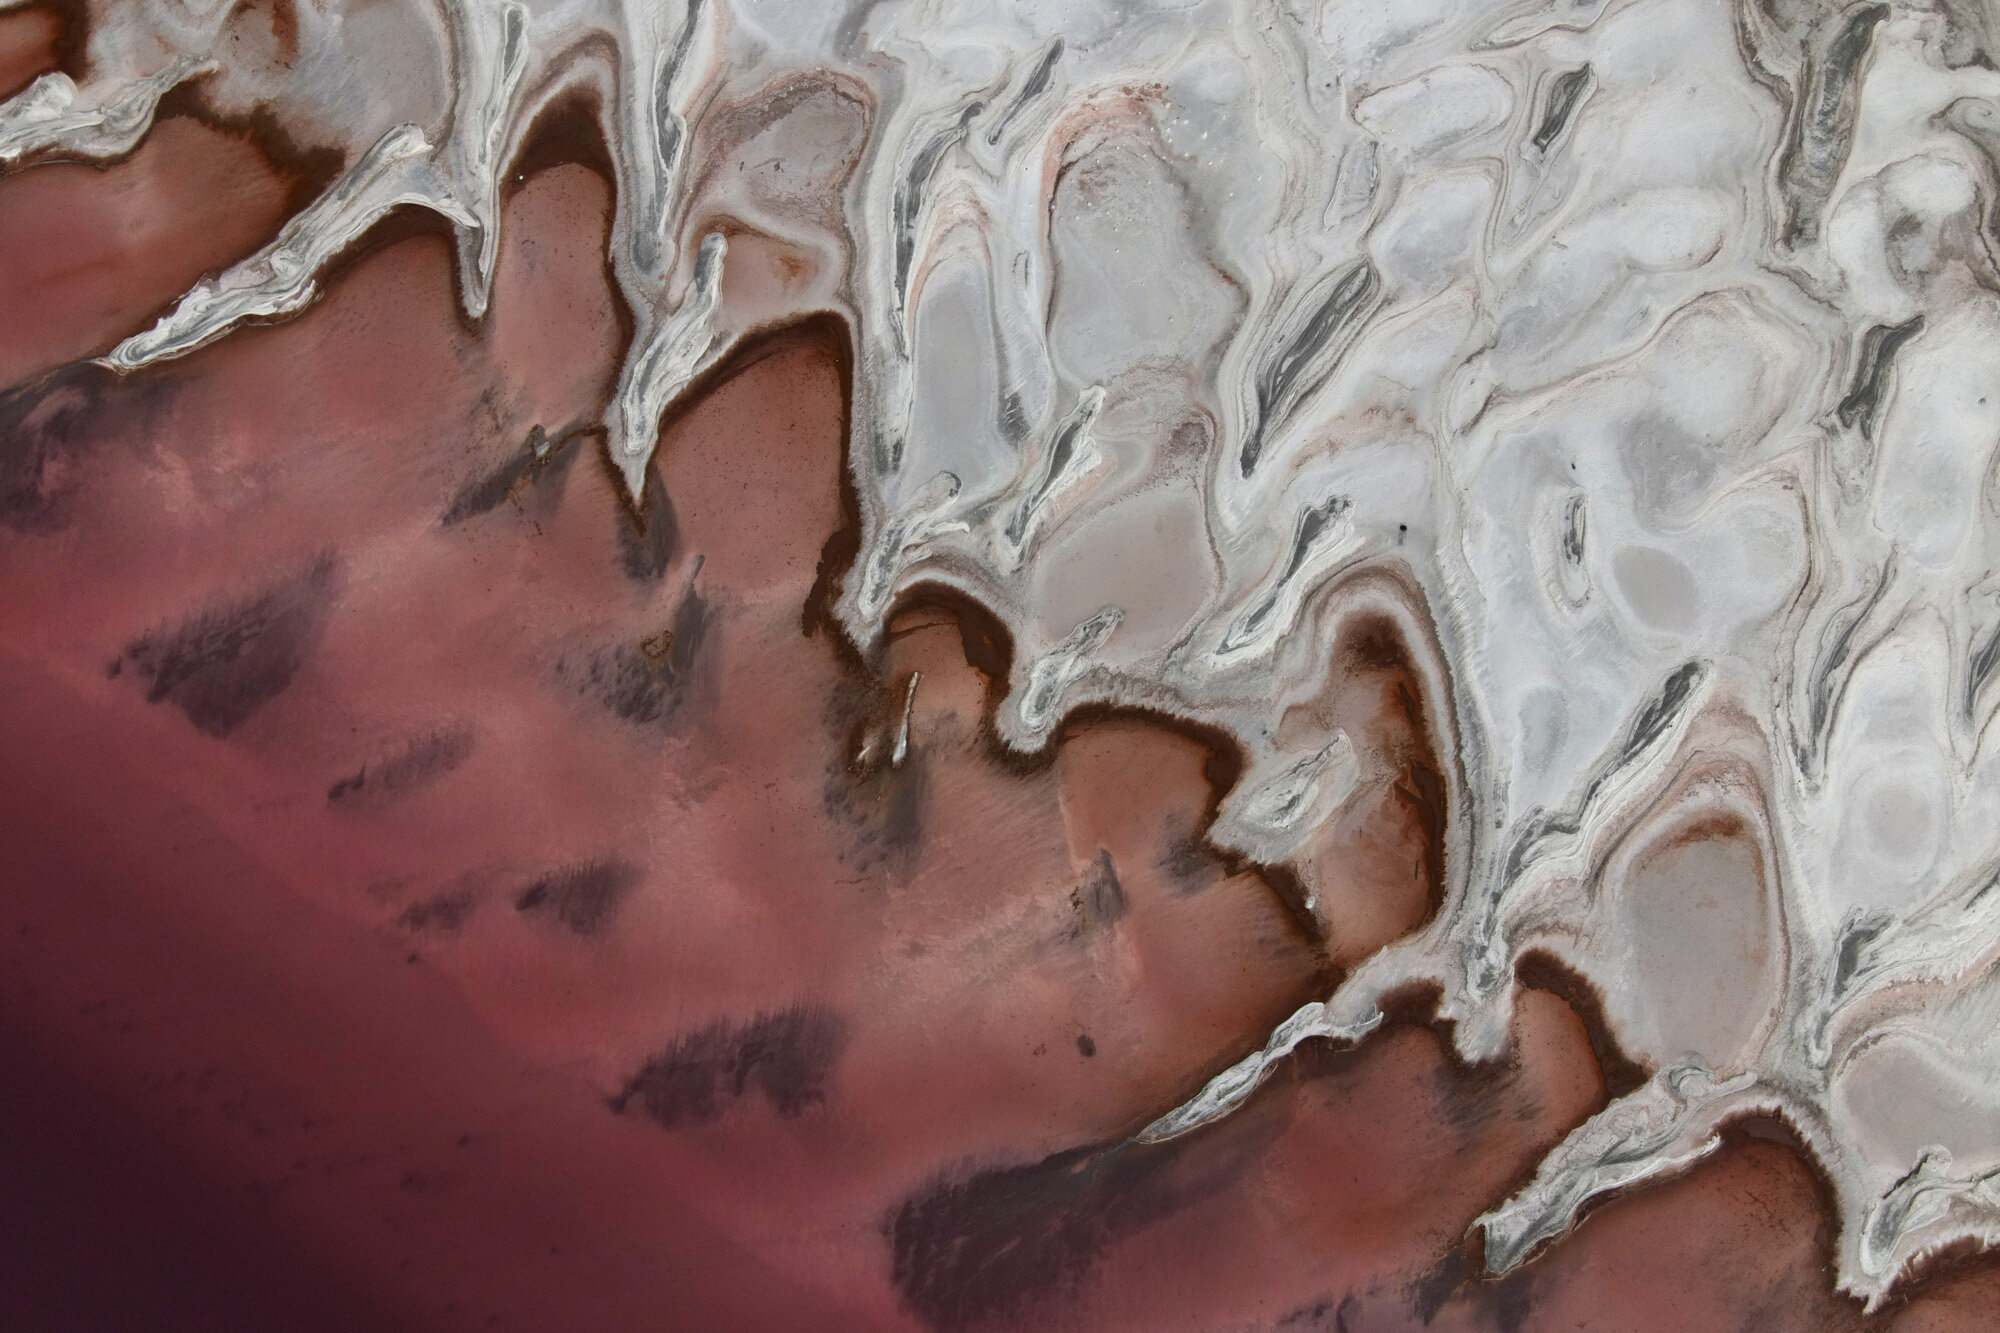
[541, 457]
[444, 912]
[1565, 92]
[648, 538]
[422, 760]
[1824, 124]
[787, 1056]
[1186, 862]
[1304, 358]
[1099, 901]
[1312, 522]
[1455, 1280]
[581, 899]
[1649, 724]
[910, 191]
[884, 806]
[879, 804]
[1574, 520]
[1980, 670]
[1429, 1292]
[1423, 787]
[1322, 1316]
[484, 494]
[220, 666]
[1823, 689]
[1663, 710]
[1060, 450]
[1036, 85]
[999, 1245]
[1878, 351]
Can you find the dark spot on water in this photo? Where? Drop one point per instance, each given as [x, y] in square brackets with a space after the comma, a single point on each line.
[883, 810]
[581, 899]
[220, 666]
[425, 1182]
[1099, 901]
[1185, 862]
[1457, 1279]
[1510, 1301]
[50, 430]
[444, 912]
[988, 648]
[1322, 1316]
[649, 682]
[1428, 1294]
[878, 803]
[420, 761]
[786, 1057]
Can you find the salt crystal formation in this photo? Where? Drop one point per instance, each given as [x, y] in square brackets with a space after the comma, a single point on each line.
[1640, 363]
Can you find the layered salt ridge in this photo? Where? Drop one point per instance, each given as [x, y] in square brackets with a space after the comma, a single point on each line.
[1639, 363]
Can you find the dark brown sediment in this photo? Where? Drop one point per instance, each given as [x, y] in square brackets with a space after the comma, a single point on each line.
[1542, 971]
